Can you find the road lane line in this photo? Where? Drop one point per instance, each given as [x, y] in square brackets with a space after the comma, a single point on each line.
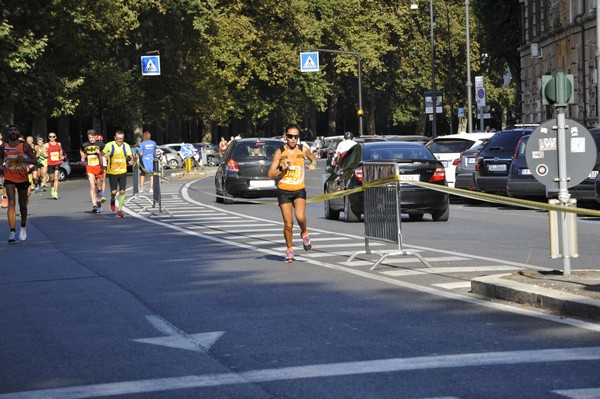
[447, 270]
[509, 358]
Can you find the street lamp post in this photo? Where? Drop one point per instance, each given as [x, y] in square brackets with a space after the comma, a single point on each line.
[415, 6]
[469, 84]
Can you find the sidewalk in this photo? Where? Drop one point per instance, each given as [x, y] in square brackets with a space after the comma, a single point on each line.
[577, 294]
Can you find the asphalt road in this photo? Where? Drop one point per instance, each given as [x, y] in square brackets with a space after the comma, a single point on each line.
[198, 303]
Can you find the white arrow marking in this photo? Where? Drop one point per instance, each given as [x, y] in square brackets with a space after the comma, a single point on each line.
[179, 339]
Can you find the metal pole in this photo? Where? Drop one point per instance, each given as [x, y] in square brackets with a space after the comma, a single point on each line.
[469, 83]
[451, 98]
[563, 191]
[360, 108]
[597, 66]
[433, 94]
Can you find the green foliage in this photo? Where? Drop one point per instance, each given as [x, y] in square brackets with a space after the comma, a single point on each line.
[224, 61]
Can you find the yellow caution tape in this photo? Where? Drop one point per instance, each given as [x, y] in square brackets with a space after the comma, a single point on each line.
[476, 195]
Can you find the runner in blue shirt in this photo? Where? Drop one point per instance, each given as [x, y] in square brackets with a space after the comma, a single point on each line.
[147, 150]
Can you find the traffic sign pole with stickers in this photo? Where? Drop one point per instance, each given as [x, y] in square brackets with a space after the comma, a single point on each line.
[561, 153]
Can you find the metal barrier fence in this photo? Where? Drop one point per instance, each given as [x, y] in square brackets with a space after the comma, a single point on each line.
[156, 191]
[382, 210]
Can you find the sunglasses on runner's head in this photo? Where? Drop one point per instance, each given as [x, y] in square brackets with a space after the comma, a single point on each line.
[292, 136]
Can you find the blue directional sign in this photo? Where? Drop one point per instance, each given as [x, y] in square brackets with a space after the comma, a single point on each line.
[150, 65]
[309, 62]
[187, 150]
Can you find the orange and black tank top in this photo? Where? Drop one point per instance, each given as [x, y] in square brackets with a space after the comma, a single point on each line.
[14, 170]
[293, 177]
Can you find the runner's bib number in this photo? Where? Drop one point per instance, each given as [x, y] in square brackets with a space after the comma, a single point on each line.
[93, 160]
[55, 156]
[12, 162]
[294, 175]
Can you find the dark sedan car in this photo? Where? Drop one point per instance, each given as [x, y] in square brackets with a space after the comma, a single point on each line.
[243, 171]
[415, 162]
[522, 184]
[465, 167]
[491, 168]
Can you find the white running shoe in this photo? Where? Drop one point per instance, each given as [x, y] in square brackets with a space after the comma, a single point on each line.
[22, 234]
[12, 236]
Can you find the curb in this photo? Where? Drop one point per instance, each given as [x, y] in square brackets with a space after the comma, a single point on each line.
[498, 287]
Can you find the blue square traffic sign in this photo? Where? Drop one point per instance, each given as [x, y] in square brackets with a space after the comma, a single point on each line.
[309, 62]
[150, 65]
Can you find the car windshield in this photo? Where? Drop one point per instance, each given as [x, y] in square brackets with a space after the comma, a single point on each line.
[449, 146]
[254, 149]
[393, 153]
[506, 140]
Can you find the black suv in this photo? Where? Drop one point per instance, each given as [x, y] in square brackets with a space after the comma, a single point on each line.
[491, 166]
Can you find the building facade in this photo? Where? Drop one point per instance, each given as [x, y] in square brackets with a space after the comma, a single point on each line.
[559, 35]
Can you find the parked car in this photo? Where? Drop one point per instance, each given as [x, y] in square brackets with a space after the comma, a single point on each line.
[170, 157]
[521, 183]
[410, 137]
[413, 159]
[334, 143]
[74, 164]
[213, 155]
[491, 167]
[464, 176]
[447, 149]
[585, 192]
[243, 170]
[177, 148]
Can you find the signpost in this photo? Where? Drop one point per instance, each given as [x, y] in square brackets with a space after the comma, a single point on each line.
[150, 65]
[307, 60]
[480, 99]
[560, 154]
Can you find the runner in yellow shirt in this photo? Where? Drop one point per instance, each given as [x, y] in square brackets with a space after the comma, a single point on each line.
[118, 155]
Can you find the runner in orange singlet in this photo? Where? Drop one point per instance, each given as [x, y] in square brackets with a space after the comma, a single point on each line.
[288, 166]
[16, 157]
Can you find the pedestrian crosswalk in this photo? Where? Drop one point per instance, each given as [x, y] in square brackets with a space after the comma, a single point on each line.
[450, 271]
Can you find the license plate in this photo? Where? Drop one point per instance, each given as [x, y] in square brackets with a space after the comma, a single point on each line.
[593, 174]
[262, 183]
[524, 172]
[410, 177]
[497, 167]
[470, 161]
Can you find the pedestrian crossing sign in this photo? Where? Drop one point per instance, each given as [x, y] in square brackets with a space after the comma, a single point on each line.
[309, 62]
[150, 65]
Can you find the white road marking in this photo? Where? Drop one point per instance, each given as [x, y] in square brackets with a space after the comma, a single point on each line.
[588, 393]
[178, 339]
[454, 286]
[543, 356]
[447, 270]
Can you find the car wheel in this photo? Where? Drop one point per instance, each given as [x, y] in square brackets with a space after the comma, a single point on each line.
[219, 195]
[227, 198]
[62, 174]
[441, 215]
[173, 163]
[351, 217]
[330, 214]
[415, 217]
